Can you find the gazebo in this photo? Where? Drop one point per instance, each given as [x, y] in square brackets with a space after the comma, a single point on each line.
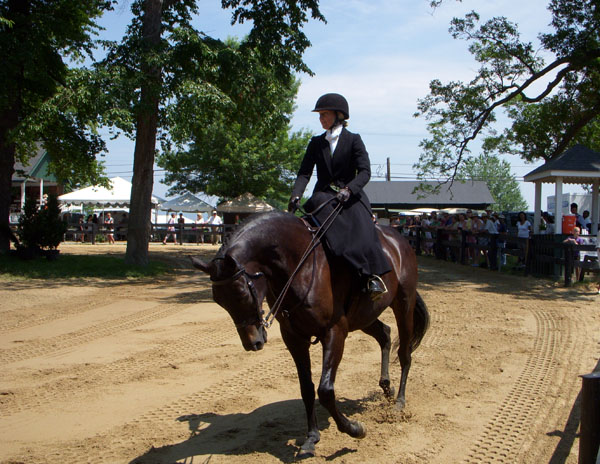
[242, 206]
[577, 165]
[187, 203]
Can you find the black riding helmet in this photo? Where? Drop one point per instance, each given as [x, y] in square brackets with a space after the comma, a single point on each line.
[333, 102]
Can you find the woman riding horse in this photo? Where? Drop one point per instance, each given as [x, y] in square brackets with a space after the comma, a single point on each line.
[343, 169]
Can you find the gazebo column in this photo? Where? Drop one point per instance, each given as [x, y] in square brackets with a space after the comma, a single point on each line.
[41, 192]
[23, 189]
[595, 212]
[537, 216]
[558, 194]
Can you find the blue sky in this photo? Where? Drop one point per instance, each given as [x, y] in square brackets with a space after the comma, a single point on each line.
[381, 55]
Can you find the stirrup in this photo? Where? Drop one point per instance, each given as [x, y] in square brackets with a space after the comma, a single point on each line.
[378, 293]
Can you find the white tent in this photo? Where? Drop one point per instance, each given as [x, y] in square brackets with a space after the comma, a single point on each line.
[117, 195]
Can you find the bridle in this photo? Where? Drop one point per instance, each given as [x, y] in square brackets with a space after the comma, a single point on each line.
[249, 280]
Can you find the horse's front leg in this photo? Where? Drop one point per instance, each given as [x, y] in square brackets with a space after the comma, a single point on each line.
[300, 350]
[333, 349]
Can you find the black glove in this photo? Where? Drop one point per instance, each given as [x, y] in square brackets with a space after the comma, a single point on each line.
[343, 195]
[293, 204]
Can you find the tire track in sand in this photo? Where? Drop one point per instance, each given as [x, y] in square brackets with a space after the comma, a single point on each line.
[122, 371]
[512, 426]
[35, 348]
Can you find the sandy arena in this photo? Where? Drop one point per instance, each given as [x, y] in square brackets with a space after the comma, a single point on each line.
[97, 371]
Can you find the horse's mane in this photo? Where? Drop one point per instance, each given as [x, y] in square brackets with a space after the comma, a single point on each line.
[256, 221]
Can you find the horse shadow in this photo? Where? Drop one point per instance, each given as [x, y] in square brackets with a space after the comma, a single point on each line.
[277, 429]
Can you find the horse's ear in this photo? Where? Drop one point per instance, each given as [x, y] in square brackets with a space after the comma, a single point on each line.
[199, 264]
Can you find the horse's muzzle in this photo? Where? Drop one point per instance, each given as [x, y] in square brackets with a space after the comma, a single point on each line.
[253, 338]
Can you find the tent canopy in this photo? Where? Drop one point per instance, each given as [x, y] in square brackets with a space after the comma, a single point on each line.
[118, 194]
[246, 203]
[187, 203]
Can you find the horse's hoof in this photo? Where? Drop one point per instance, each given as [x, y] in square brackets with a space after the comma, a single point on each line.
[357, 430]
[400, 403]
[307, 450]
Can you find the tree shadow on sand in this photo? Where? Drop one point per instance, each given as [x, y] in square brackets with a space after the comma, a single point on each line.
[277, 429]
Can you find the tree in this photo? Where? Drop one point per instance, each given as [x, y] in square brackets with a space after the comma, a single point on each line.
[544, 122]
[241, 143]
[35, 38]
[163, 58]
[496, 174]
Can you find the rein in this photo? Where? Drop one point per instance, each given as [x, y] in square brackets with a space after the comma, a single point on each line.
[268, 320]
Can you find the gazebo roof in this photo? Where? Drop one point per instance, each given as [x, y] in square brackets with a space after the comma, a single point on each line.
[577, 165]
[187, 203]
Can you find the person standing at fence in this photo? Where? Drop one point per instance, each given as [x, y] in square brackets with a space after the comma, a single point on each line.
[523, 232]
[502, 231]
[215, 222]
[180, 226]
[198, 228]
[477, 227]
[109, 223]
[575, 239]
[489, 226]
[171, 230]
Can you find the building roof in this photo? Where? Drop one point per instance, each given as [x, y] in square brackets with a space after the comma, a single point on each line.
[403, 195]
[187, 203]
[577, 165]
[34, 168]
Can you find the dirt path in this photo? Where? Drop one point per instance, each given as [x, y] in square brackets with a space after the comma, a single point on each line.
[153, 372]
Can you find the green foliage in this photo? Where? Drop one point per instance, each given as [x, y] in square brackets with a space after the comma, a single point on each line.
[36, 87]
[544, 122]
[236, 138]
[41, 228]
[496, 174]
[225, 107]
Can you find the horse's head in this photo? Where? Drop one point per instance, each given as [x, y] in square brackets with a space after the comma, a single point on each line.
[235, 290]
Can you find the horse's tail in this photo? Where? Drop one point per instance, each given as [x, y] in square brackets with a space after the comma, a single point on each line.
[420, 323]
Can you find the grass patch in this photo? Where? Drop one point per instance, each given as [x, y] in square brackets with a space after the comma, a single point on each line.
[77, 266]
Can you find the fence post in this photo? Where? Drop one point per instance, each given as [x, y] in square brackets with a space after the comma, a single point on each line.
[493, 251]
[589, 439]
[439, 248]
[463, 247]
[418, 240]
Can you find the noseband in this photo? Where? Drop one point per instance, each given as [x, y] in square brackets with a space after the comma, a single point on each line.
[249, 279]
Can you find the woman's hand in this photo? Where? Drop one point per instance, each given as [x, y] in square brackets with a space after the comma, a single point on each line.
[343, 195]
[293, 204]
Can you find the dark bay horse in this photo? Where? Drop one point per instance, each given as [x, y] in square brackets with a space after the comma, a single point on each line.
[325, 301]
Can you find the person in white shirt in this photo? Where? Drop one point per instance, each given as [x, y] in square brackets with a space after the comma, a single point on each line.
[214, 220]
[171, 229]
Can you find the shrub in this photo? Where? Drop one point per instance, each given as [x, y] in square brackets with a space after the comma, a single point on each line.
[41, 228]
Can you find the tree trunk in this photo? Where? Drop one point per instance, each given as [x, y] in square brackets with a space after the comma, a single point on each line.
[138, 233]
[7, 167]
[9, 119]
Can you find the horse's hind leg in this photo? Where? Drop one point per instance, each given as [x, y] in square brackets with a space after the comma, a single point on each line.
[404, 319]
[381, 332]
